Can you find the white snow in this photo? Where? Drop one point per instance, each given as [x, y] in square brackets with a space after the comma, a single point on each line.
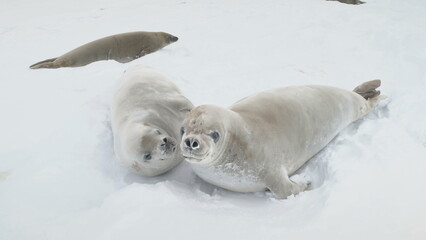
[59, 178]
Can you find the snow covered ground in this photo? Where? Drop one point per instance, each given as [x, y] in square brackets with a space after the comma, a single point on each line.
[59, 178]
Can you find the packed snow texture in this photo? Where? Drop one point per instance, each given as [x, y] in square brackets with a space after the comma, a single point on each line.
[59, 178]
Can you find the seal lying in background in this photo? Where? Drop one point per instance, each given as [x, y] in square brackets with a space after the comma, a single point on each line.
[354, 2]
[147, 113]
[260, 141]
[122, 48]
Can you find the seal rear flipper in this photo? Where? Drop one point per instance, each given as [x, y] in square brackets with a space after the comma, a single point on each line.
[48, 63]
[368, 89]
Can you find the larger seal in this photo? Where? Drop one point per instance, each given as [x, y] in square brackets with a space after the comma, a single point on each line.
[147, 113]
[122, 48]
[260, 141]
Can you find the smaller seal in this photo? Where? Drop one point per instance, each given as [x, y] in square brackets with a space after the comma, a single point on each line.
[147, 113]
[353, 2]
[122, 48]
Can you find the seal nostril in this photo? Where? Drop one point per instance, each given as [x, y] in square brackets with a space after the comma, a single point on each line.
[188, 143]
[165, 140]
[195, 144]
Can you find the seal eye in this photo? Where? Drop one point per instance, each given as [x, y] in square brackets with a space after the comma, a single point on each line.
[182, 131]
[215, 136]
[147, 156]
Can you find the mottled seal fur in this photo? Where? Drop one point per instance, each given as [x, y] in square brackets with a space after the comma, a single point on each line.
[260, 141]
[122, 48]
[147, 113]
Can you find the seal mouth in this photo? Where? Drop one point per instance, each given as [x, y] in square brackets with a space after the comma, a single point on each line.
[192, 158]
[168, 151]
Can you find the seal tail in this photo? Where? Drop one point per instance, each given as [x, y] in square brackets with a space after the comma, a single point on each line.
[48, 63]
[368, 89]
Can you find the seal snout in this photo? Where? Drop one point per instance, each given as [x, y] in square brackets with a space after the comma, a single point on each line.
[192, 144]
[192, 150]
[168, 144]
[173, 39]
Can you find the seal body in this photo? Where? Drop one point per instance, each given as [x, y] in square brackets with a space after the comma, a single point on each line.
[260, 141]
[147, 112]
[122, 48]
[353, 2]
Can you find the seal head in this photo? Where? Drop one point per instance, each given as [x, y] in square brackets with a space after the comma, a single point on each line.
[218, 150]
[206, 140]
[147, 148]
[168, 38]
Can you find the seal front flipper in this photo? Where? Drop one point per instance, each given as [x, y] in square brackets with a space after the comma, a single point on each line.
[126, 59]
[278, 182]
[182, 104]
[48, 63]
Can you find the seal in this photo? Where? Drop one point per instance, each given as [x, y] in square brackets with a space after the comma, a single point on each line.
[122, 48]
[146, 115]
[261, 140]
[353, 2]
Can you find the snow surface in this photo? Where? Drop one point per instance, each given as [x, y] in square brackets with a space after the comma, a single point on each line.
[59, 178]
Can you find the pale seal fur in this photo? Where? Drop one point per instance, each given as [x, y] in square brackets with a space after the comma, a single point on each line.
[146, 115]
[260, 141]
[122, 48]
